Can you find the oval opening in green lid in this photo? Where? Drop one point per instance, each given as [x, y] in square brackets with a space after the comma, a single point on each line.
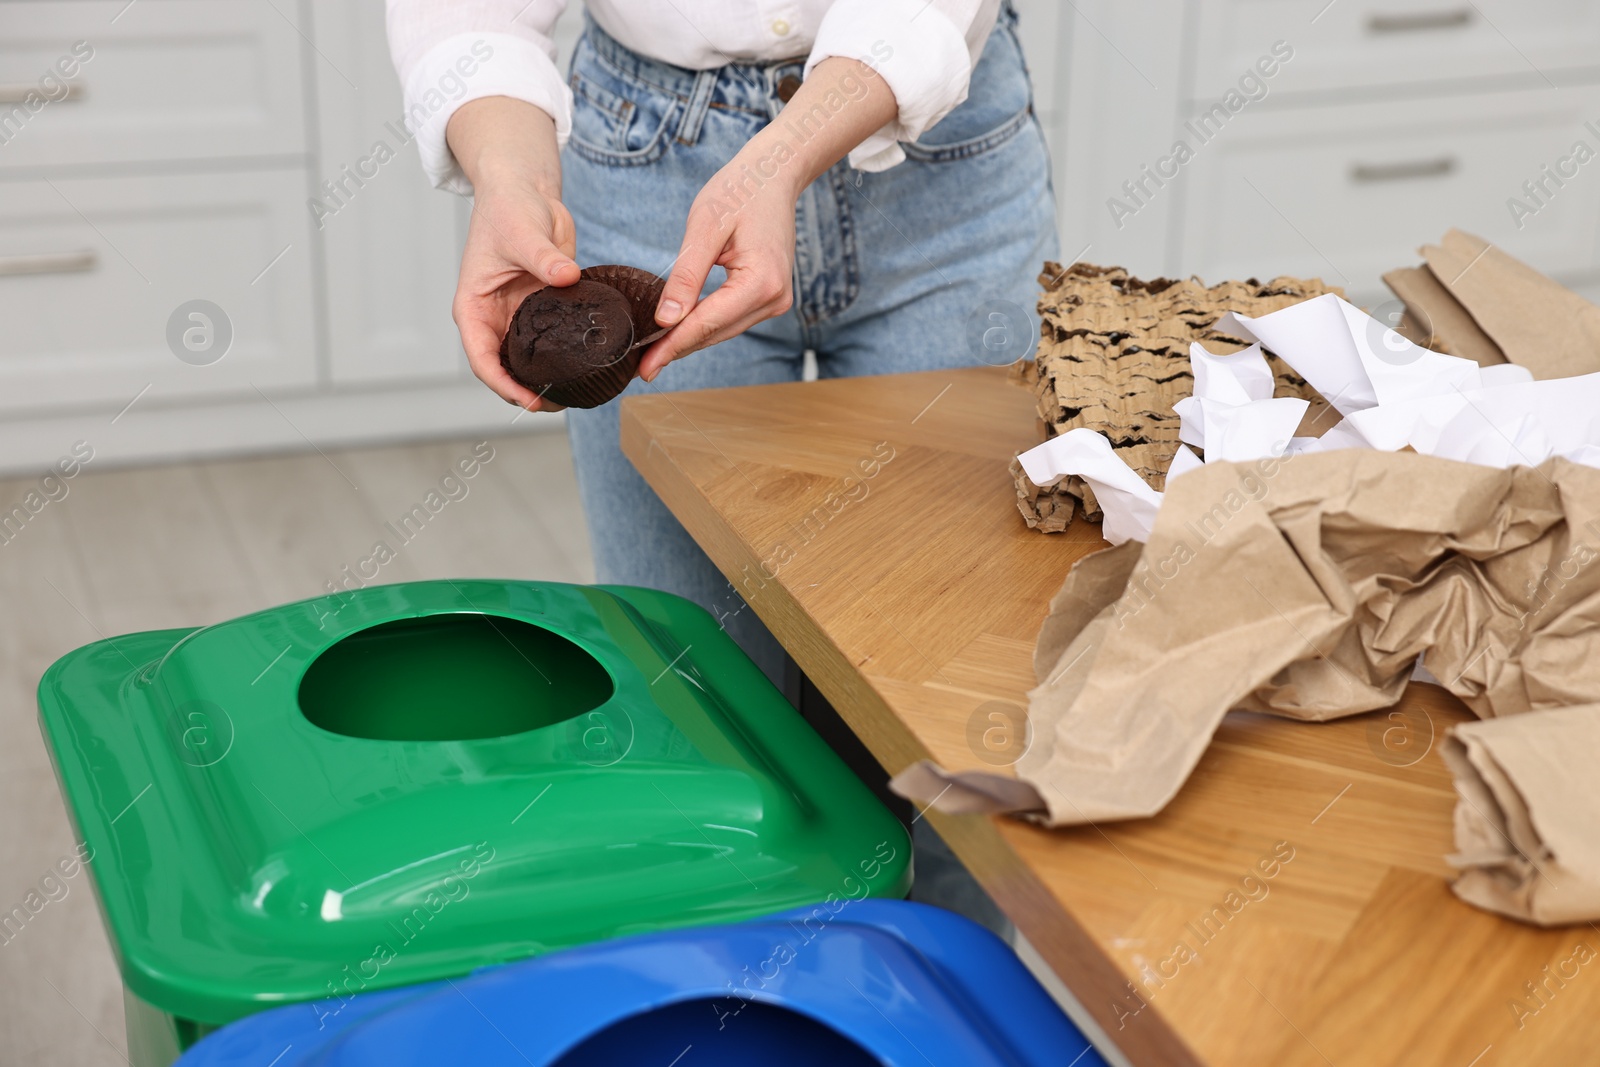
[450, 677]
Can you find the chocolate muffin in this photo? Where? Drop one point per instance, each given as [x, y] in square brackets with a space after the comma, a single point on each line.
[579, 345]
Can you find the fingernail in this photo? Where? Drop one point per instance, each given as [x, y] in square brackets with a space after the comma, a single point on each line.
[669, 312]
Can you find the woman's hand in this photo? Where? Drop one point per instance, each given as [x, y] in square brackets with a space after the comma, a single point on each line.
[521, 237]
[743, 220]
[754, 243]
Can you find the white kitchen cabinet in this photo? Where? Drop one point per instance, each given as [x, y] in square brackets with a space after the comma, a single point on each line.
[92, 269]
[1388, 122]
[1378, 46]
[183, 161]
[1119, 75]
[389, 242]
[1348, 192]
[163, 81]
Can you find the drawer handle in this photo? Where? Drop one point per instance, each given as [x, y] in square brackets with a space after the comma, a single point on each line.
[18, 93]
[1451, 19]
[49, 263]
[1396, 172]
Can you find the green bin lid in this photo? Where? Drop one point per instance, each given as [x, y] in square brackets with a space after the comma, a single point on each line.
[406, 782]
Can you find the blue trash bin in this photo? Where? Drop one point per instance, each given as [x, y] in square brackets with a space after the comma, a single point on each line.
[861, 983]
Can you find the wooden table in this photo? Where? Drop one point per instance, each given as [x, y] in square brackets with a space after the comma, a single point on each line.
[871, 523]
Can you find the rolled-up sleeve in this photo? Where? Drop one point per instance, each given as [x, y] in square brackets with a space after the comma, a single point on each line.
[924, 50]
[449, 53]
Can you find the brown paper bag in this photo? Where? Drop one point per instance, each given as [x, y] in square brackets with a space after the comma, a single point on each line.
[1307, 587]
[1534, 321]
[1433, 315]
[1098, 580]
[1527, 817]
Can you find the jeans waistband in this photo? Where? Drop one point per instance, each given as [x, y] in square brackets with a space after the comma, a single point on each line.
[679, 81]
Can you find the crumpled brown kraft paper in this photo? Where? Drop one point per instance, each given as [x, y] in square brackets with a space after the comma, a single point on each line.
[1304, 587]
[1114, 356]
[1434, 319]
[1491, 307]
[1527, 819]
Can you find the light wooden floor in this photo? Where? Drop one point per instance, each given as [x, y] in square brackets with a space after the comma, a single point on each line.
[193, 544]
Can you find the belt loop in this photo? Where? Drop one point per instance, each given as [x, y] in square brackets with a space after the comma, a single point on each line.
[694, 112]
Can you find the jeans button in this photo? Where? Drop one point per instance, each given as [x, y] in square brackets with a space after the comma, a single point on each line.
[788, 85]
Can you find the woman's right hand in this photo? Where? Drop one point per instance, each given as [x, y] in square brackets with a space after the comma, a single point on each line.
[521, 237]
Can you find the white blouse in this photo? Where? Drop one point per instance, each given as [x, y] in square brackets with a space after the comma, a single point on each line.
[448, 52]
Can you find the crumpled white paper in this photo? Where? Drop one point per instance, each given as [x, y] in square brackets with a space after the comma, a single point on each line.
[1127, 499]
[1390, 393]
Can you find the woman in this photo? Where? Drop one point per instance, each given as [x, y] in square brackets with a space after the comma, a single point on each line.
[859, 178]
[694, 136]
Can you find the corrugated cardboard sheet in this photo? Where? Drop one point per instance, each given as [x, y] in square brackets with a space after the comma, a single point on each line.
[1114, 356]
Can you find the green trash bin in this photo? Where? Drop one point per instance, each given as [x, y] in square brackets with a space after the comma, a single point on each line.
[403, 783]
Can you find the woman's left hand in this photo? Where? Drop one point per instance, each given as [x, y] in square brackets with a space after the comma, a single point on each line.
[743, 220]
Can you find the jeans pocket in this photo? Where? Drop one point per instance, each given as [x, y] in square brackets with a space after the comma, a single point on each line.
[618, 121]
[998, 106]
[986, 141]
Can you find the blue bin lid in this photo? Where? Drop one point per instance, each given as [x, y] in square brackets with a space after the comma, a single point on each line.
[859, 983]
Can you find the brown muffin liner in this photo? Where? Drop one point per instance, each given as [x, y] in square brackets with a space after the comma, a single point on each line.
[642, 291]
[595, 388]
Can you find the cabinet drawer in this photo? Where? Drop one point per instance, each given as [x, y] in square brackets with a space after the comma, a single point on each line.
[1373, 43]
[91, 271]
[1348, 193]
[167, 80]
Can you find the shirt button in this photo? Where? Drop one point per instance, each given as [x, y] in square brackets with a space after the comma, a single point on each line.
[780, 27]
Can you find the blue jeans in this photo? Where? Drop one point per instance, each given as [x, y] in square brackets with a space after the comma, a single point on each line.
[890, 267]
